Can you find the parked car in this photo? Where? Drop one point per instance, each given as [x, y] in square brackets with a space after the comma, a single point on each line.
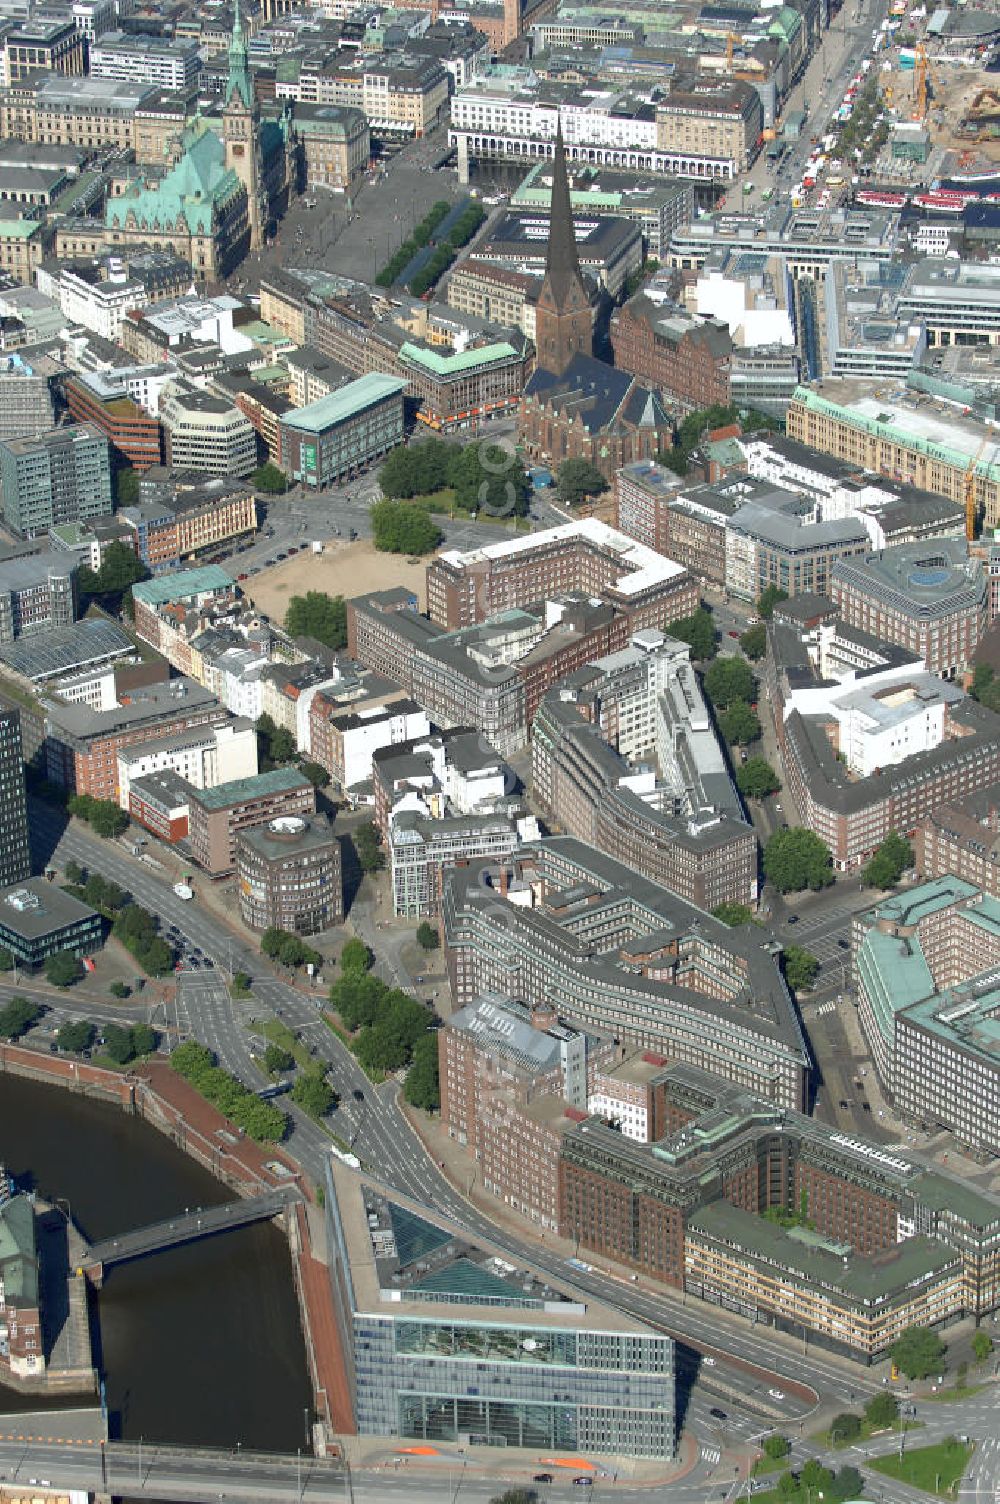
[542, 1478]
[718, 1414]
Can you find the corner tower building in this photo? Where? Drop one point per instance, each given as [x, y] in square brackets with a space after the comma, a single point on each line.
[241, 131]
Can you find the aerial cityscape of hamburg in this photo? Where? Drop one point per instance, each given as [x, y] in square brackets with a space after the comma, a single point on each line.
[499, 752]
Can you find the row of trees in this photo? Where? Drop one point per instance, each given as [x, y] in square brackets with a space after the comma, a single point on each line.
[276, 748]
[104, 816]
[287, 949]
[102, 894]
[460, 234]
[123, 1045]
[888, 863]
[262, 1121]
[419, 237]
[391, 1029]
[368, 847]
[398, 528]
[137, 930]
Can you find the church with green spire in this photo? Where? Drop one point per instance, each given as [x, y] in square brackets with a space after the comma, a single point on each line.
[227, 181]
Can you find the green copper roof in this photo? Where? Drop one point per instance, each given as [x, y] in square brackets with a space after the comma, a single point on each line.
[274, 781]
[18, 1261]
[181, 584]
[453, 363]
[344, 403]
[239, 81]
[191, 190]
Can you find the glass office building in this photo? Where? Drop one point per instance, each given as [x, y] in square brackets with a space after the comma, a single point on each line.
[451, 1344]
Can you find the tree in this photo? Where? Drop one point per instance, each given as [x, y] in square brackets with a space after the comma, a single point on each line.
[269, 478]
[788, 1485]
[144, 1039]
[728, 680]
[489, 477]
[427, 936]
[277, 1059]
[6, 959]
[120, 569]
[847, 1483]
[62, 968]
[800, 968]
[882, 1410]
[318, 615]
[740, 724]
[241, 984]
[118, 1045]
[108, 819]
[919, 1352]
[734, 914]
[75, 873]
[355, 956]
[815, 1476]
[270, 942]
[17, 1017]
[422, 1087]
[756, 779]
[126, 488]
[577, 479]
[776, 1447]
[74, 1038]
[316, 774]
[401, 529]
[982, 1346]
[845, 1427]
[986, 687]
[754, 640]
[888, 863]
[313, 1092]
[104, 895]
[796, 859]
[768, 599]
[698, 631]
[371, 857]
[419, 470]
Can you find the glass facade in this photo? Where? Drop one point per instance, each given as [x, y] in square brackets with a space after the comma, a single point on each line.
[511, 1384]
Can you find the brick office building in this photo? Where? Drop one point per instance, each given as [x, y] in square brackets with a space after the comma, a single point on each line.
[289, 875]
[216, 816]
[688, 359]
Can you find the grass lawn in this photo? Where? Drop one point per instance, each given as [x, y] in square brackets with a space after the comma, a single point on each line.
[952, 1394]
[276, 1032]
[867, 1431]
[769, 1465]
[935, 1469]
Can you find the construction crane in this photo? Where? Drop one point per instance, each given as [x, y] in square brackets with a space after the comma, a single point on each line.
[971, 506]
[923, 76]
[731, 40]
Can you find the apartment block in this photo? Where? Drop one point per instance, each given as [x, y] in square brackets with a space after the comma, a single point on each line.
[203, 755]
[289, 875]
[38, 593]
[205, 433]
[687, 358]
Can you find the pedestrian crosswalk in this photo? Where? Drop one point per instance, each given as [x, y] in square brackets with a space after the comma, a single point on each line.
[711, 1454]
[825, 1008]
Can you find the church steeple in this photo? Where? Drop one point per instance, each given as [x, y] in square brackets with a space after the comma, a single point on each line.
[563, 326]
[239, 81]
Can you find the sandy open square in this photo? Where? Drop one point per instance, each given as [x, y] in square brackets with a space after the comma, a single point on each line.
[341, 569]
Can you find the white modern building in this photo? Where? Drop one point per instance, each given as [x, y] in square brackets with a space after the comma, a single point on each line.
[161, 61]
[96, 303]
[205, 756]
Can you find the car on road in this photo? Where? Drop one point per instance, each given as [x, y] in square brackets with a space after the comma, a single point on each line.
[734, 634]
[358, 1094]
[708, 1362]
[542, 1478]
[584, 1482]
[718, 1414]
[792, 919]
[844, 944]
[776, 1394]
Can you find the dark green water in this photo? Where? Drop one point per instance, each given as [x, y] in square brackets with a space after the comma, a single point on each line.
[200, 1344]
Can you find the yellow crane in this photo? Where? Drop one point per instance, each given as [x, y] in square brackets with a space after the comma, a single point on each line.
[924, 76]
[971, 505]
[731, 40]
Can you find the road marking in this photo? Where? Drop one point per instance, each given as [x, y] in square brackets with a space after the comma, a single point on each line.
[711, 1454]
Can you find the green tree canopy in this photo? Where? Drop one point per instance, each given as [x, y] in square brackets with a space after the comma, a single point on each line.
[801, 967]
[729, 679]
[401, 529]
[104, 816]
[76, 1037]
[734, 914]
[888, 863]
[845, 1427]
[754, 641]
[982, 1345]
[756, 779]
[417, 470]
[316, 774]
[422, 1087]
[740, 725]
[62, 968]
[371, 857]
[578, 479]
[318, 615]
[698, 631]
[120, 569]
[427, 936]
[277, 1059]
[847, 1484]
[776, 1447]
[882, 1410]
[144, 1039]
[768, 599]
[6, 959]
[75, 873]
[488, 477]
[314, 1093]
[795, 859]
[269, 478]
[17, 1017]
[126, 488]
[118, 1044]
[918, 1352]
[355, 956]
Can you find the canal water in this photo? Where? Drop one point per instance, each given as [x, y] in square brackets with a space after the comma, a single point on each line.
[200, 1344]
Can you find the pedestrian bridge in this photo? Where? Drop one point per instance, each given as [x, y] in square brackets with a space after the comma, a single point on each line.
[203, 1222]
